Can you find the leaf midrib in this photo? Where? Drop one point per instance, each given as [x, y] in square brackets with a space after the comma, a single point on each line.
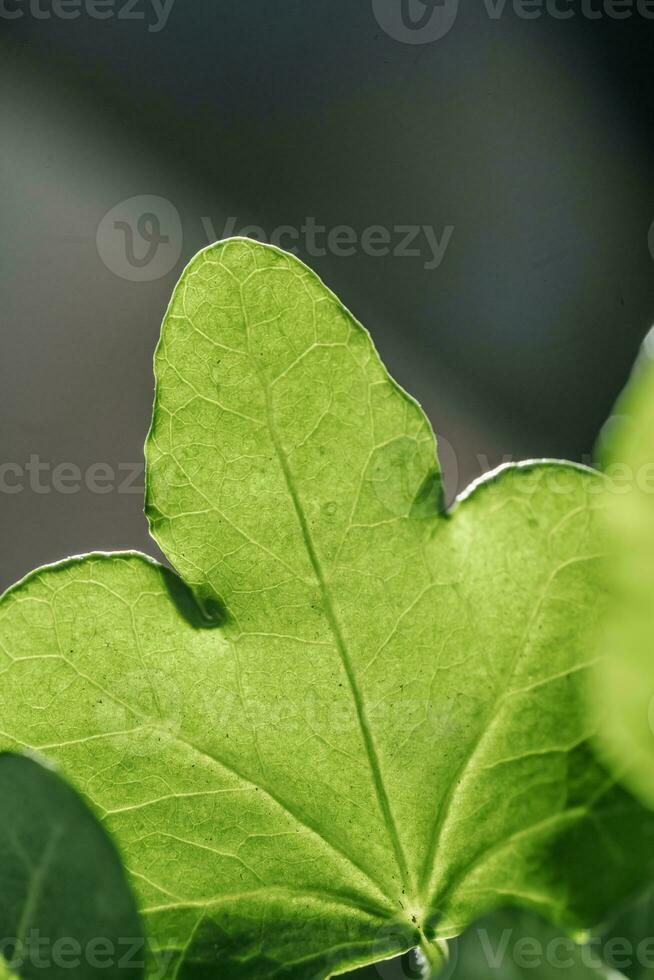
[37, 882]
[335, 627]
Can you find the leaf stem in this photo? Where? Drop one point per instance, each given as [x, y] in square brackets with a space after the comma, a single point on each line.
[433, 956]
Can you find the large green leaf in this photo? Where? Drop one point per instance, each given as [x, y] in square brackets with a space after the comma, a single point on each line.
[65, 906]
[370, 729]
[626, 677]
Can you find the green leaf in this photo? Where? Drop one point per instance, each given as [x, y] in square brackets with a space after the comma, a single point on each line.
[625, 682]
[370, 729]
[65, 906]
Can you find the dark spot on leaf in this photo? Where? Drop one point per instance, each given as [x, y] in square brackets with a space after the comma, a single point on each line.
[429, 500]
[201, 613]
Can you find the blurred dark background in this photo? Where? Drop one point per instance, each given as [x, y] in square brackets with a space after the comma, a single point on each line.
[524, 146]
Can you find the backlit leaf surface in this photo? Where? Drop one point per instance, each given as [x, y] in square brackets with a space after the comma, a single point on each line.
[369, 727]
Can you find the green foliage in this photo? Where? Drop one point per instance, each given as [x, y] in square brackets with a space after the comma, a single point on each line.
[626, 679]
[65, 906]
[355, 723]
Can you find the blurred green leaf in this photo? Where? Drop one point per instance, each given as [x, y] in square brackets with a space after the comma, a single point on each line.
[625, 680]
[65, 907]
